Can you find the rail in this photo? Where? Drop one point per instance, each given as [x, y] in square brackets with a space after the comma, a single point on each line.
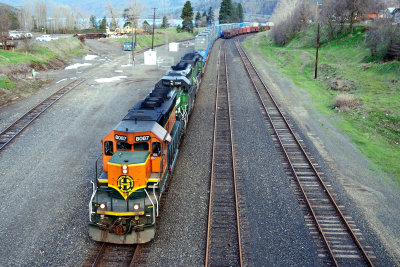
[223, 247]
[19, 125]
[329, 219]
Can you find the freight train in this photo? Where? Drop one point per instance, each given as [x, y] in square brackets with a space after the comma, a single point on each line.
[139, 154]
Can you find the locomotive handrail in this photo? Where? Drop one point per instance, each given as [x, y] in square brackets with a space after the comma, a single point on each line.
[96, 167]
[152, 203]
[91, 200]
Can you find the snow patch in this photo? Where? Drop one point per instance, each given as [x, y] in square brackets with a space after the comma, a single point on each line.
[109, 80]
[90, 57]
[77, 65]
[62, 80]
[118, 71]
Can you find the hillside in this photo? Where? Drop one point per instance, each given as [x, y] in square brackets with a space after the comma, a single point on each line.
[362, 95]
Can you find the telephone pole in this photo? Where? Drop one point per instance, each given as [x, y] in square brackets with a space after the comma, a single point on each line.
[316, 56]
[154, 21]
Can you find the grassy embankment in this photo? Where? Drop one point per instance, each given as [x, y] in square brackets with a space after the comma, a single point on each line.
[374, 124]
[15, 65]
[161, 36]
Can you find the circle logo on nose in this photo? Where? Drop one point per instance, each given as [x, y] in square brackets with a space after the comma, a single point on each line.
[125, 183]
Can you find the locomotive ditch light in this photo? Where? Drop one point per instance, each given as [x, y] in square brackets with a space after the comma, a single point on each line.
[103, 206]
[136, 206]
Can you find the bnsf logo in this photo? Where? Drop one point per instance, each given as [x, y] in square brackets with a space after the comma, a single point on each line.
[142, 138]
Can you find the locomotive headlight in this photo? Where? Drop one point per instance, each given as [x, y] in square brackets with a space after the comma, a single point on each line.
[124, 167]
[124, 171]
[103, 206]
[136, 206]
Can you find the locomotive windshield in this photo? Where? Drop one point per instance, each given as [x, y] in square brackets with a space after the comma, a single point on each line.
[142, 146]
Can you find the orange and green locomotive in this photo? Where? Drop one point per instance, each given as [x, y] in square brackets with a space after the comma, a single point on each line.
[138, 157]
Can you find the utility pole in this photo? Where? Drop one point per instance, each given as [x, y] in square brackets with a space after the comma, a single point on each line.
[133, 43]
[316, 57]
[154, 21]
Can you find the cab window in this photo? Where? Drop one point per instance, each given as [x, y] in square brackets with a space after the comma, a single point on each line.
[108, 148]
[142, 146]
[124, 146]
[156, 149]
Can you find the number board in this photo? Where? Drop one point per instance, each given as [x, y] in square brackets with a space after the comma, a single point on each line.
[120, 137]
[142, 138]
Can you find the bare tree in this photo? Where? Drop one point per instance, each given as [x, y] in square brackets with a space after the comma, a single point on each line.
[40, 9]
[27, 16]
[5, 25]
[113, 14]
[357, 8]
[329, 17]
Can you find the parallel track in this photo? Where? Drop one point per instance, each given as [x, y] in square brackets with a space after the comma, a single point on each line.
[342, 246]
[223, 233]
[18, 126]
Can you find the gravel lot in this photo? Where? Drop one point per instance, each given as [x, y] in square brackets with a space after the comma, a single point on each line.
[46, 171]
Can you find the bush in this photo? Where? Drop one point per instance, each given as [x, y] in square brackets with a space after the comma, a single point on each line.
[346, 102]
[383, 38]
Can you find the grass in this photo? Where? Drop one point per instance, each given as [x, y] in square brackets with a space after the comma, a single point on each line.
[160, 37]
[6, 83]
[42, 52]
[14, 64]
[374, 123]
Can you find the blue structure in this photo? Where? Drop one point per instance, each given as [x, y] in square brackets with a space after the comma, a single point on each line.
[206, 38]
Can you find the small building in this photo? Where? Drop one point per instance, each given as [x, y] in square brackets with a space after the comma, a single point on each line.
[393, 13]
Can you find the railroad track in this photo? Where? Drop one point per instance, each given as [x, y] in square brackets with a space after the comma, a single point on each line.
[112, 255]
[340, 244]
[18, 126]
[223, 234]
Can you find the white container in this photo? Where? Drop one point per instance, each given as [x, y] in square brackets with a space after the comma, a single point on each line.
[150, 57]
[173, 47]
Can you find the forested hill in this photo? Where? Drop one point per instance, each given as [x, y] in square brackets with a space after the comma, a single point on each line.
[171, 8]
[261, 7]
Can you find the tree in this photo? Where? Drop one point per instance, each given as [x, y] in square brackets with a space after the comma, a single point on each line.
[93, 22]
[5, 25]
[197, 19]
[164, 23]
[225, 12]
[357, 8]
[103, 24]
[235, 15]
[240, 12]
[146, 27]
[40, 15]
[210, 16]
[187, 16]
[114, 16]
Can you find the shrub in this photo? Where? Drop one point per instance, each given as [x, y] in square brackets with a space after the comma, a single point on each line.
[346, 102]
